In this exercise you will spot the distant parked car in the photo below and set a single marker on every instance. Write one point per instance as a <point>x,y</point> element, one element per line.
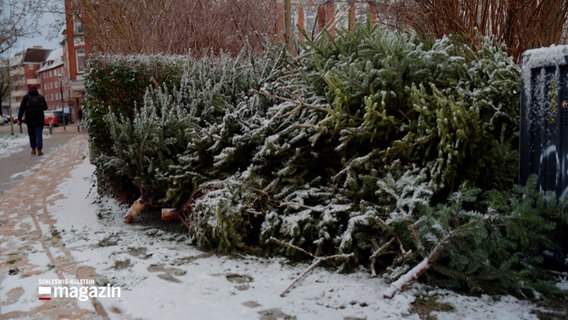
<point>4,119</point>
<point>50,118</point>
<point>59,115</point>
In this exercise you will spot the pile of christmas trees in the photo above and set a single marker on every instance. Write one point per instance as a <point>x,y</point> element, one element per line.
<point>398,151</point>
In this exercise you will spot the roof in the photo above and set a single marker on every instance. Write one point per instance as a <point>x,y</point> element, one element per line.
<point>54,60</point>
<point>55,55</point>
<point>36,55</point>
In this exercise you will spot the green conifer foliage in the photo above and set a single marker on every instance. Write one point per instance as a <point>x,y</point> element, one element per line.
<point>177,139</point>
<point>117,85</point>
<point>373,143</point>
<point>496,250</point>
<point>222,217</point>
<point>441,106</point>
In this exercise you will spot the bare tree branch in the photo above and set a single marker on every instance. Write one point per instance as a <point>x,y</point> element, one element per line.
<point>315,263</point>
<point>520,25</point>
<point>19,19</point>
<point>178,26</point>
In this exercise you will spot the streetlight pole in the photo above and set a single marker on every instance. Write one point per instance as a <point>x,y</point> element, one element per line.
<point>9,80</point>
<point>61,92</point>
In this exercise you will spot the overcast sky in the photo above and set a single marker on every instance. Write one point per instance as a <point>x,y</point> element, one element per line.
<point>47,38</point>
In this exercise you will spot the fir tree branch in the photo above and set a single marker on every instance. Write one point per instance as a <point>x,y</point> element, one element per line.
<point>417,240</point>
<point>294,204</point>
<point>401,246</point>
<point>442,245</point>
<point>407,279</point>
<point>289,245</point>
<point>380,250</point>
<point>315,263</point>
<point>299,102</point>
<point>428,262</point>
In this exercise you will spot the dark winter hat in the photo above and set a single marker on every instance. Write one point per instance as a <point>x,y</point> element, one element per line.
<point>33,91</point>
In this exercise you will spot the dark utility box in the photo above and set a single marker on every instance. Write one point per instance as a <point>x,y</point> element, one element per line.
<point>544,118</point>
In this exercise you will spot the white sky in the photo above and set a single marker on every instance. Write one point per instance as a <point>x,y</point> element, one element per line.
<point>44,39</point>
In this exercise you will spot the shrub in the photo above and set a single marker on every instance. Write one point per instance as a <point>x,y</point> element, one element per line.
<point>117,84</point>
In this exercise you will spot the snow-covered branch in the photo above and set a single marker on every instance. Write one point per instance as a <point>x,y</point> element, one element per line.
<point>407,279</point>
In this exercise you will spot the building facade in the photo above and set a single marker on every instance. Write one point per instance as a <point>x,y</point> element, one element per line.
<point>23,73</point>
<point>58,74</point>
<point>75,49</point>
<point>52,76</point>
<point>17,81</point>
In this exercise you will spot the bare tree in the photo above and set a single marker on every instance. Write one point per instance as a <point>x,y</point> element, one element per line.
<point>19,18</point>
<point>176,26</point>
<point>519,24</point>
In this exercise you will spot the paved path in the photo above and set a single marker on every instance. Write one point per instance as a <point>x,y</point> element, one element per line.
<point>21,162</point>
<point>28,233</point>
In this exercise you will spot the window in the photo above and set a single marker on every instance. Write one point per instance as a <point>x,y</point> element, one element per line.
<point>79,40</point>
<point>80,60</point>
<point>78,26</point>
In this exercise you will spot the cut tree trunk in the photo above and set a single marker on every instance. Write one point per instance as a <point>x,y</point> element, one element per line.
<point>170,214</point>
<point>135,209</point>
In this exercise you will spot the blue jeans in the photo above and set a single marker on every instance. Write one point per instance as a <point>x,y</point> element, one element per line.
<point>36,136</point>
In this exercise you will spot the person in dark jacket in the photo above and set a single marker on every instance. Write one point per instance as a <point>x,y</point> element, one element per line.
<point>31,109</point>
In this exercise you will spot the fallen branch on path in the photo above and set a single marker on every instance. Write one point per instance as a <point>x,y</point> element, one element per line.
<point>315,263</point>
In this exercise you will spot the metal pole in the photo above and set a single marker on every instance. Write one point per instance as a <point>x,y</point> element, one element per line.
<point>62,107</point>
<point>8,78</point>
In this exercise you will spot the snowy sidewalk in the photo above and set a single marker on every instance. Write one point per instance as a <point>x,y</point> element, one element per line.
<point>15,160</point>
<point>54,227</point>
<point>31,249</point>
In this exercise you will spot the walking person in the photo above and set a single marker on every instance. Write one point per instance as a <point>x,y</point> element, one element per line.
<point>31,109</point>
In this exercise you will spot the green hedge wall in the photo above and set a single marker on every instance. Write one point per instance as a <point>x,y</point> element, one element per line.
<point>117,84</point>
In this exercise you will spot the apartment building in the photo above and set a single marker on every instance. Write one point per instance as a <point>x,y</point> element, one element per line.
<point>23,73</point>
<point>52,77</point>
<point>74,56</point>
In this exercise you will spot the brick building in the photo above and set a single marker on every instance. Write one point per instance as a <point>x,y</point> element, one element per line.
<point>52,79</point>
<point>75,49</point>
<point>23,73</point>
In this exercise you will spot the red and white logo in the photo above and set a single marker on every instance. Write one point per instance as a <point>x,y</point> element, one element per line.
<point>44,293</point>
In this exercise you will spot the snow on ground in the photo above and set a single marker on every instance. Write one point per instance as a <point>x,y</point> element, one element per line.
<point>162,276</point>
<point>12,144</point>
